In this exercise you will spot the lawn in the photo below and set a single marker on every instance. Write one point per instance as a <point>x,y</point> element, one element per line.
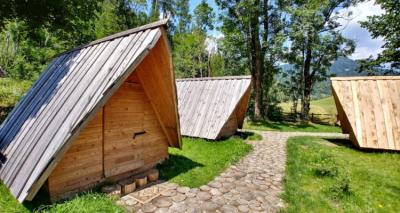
<point>200,160</point>
<point>290,126</point>
<point>320,106</point>
<point>84,203</point>
<point>322,176</point>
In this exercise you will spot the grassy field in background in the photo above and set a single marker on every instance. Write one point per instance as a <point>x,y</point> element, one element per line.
<point>289,126</point>
<point>321,106</point>
<point>331,176</point>
<point>200,160</point>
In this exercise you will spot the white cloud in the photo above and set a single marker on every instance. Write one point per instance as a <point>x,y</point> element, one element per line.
<point>365,44</point>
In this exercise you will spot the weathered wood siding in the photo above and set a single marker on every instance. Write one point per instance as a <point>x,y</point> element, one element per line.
<point>133,136</point>
<point>106,147</point>
<point>82,165</point>
<point>209,105</point>
<point>368,110</point>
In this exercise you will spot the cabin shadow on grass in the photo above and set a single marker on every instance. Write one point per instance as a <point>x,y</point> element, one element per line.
<point>280,125</point>
<point>200,161</point>
<point>247,135</point>
<point>289,126</point>
<point>176,165</point>
<point>339,142</point>
<point>347,143</point>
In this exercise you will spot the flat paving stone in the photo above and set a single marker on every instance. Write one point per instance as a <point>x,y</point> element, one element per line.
<point>178,198</point>
<point>254,184</point>
<point>178,207</point>
<point>149,207</point>
<point>183,190</point>
<point>131,202</point>
<point>204,196</point>
<point>162,202</point>
<point>205,188</point>
<point>169,193</point>
<point>209,206</point>
<point>243,208</point>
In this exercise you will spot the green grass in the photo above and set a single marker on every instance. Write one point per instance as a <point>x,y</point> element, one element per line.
<point>200,160</point>
<point>8,203</point>
<point>11,91</point>
<point>85,203</point>
<point>254,137</point>
<point>290,126</point>
<point>320,106</point>
<point>332,177</point>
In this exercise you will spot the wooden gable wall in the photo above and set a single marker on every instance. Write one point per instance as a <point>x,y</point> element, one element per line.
<point>368,109</point>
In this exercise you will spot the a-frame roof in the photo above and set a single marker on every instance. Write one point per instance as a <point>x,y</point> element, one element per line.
<point>368,109</point>
<point>67,94</point>
<point>205,104</point>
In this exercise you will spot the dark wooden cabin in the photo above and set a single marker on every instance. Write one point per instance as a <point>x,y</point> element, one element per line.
<point>100,112</point>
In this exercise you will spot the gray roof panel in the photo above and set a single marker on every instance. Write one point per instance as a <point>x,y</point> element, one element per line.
<point>205,104</point>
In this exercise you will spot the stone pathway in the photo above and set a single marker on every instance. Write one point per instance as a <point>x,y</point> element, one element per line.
<point>252,185</point>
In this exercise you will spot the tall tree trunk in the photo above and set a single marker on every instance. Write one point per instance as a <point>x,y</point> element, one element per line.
<point>266,63</point>
<point>258,65</point>
<point>307,77</point>
<point>209,65</point>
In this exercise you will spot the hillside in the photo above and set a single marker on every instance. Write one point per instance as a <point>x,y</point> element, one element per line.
<point>320,106</point>
<point>342,67</point>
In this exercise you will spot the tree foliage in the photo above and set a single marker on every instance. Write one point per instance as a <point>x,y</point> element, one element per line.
<point>253,31</point>
<point>256,37</point>
<point>315,42</point>
<point>386,26</point>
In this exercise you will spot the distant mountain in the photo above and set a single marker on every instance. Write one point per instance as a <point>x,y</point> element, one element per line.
<point>342,67</point>
<point>345,67</point>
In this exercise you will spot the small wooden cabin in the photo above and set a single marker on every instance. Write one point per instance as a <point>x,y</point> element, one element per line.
<point>369,110</point>
<point>213,108</point>
<point>102,111</point>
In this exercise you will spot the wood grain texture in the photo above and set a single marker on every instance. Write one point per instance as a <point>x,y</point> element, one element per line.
<point>212,108</point>
<point>368,110</point>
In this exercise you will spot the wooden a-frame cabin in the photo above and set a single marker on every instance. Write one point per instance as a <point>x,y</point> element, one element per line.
<point>368,110</point>
<point>103,111</point>
<point>213,107</point>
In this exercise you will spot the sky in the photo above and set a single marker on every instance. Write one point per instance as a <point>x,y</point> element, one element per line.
<point>365,44</point>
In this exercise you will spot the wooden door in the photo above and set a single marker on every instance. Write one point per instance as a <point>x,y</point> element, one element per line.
<point>123,122</point>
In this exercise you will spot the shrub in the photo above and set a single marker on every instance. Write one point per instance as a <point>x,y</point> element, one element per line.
<point>325,165</point>
<point>275,113</point>
<point>341,187</point>
<point>326,170</point>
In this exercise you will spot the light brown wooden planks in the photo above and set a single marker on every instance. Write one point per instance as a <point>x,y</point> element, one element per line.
<point>371,106</point>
